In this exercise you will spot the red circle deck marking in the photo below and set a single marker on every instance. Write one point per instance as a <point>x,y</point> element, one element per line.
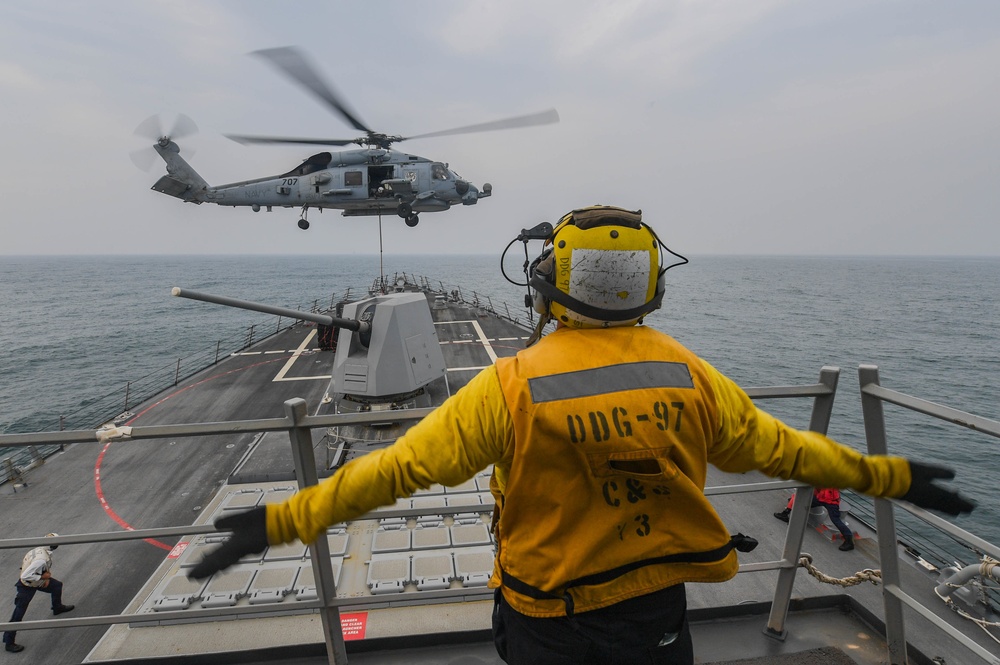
<point>100,458</point>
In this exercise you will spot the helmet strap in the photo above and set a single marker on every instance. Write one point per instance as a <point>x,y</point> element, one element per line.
<point>543,320</point>
<point>549,290</point>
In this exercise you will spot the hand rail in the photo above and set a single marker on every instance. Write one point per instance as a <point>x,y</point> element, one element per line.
<point>298,425</point>
<point>893,598</point>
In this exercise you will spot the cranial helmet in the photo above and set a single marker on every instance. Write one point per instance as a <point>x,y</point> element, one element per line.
<point>52,535</point>
<point>600,268</point>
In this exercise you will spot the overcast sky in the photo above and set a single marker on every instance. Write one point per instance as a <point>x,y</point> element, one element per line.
<point>737,126</point>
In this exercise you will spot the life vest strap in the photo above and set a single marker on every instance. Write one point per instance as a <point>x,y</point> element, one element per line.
<point>738,542</point>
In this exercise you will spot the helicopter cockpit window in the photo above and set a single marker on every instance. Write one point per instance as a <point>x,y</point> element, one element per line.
<point>317,162</point>
<point>352,178</point>
<point>438,171</point>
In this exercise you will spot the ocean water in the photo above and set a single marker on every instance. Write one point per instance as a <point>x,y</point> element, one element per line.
<point>76,328</point>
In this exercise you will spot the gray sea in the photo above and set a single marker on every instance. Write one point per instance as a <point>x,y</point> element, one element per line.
<point>74,330</point>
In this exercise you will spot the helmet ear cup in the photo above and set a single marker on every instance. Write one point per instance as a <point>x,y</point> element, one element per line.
<point>542,268</point>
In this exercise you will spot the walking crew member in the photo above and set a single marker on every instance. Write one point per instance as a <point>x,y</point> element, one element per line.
<point>828,498</point>
<point>599,435</point>
<point>36,575</point>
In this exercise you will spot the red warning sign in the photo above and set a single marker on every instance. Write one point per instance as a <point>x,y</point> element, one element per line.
<point>353,625</point>
<point>178,550</point>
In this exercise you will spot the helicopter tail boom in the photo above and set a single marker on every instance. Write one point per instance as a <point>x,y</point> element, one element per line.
<point>181,181</point>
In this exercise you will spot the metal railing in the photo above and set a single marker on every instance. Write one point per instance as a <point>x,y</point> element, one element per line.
<point>872,397</point>
<point>298,424</point>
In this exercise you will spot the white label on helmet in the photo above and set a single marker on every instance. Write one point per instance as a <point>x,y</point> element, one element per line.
<point>610,279</point>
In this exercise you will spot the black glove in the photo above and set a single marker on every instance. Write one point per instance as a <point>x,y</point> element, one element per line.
<point>924,493</point>
<point>249,537</point>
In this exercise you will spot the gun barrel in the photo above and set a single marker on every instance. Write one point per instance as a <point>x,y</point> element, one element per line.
<point>323,319</point>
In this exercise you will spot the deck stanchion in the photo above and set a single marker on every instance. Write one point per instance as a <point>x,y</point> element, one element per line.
<point>819,421</point>
<point>326,589</point>
<point>885,524</point>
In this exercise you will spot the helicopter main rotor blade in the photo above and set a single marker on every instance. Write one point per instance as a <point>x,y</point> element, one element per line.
<point>543,118</point>
<point>293,63</point>
<point>245,140</point>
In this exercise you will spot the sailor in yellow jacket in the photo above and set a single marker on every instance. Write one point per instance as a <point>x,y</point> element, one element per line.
<point>599,435</point>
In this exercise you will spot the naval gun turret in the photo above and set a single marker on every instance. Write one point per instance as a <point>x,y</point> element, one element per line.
<point>387,348</point>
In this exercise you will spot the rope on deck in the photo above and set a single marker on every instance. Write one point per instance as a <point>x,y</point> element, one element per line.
<point>866,575</point>
<point>875,576</point>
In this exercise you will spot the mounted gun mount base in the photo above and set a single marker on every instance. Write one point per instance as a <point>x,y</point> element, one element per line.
<point>398,356</point>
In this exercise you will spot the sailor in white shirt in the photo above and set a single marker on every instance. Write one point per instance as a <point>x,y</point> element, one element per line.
<point>36,575</point>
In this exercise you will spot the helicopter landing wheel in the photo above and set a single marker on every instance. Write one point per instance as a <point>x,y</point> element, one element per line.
<point>412,220</point>
<point>404,210</point>
<point>303,224</point>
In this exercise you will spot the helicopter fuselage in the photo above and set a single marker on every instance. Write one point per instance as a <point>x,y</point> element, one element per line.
<point>372,180</point>
<point>361,182</point>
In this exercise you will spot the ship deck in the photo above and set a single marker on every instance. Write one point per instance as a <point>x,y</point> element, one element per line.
<point>156,483</point>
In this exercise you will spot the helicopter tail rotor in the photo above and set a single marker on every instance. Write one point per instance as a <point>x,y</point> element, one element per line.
<point>151,129</point>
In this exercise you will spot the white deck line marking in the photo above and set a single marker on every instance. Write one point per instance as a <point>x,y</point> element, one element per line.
<point>467,369</point>
<point>485,341</point>
<point>291,361</point>
<point>280,351</point>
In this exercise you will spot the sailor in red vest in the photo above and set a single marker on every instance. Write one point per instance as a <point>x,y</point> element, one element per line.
<point>599,435</point>
<point>828,498</point>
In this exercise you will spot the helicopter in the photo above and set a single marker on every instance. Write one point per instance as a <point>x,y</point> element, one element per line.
<point>366,181</point>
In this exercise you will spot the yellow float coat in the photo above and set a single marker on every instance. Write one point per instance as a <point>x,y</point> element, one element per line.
<point>474,428</point>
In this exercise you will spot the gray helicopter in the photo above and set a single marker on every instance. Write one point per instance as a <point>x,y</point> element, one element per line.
<point>372,180</point>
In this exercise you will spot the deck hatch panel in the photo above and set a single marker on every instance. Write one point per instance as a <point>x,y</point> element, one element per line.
<point>431,538</point>
<point>432,570</point>
<point>388,573</point>
<point>271,585</point>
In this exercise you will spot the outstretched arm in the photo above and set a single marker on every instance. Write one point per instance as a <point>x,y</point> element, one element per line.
<point>750,438</point>
<point>467,433</point>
